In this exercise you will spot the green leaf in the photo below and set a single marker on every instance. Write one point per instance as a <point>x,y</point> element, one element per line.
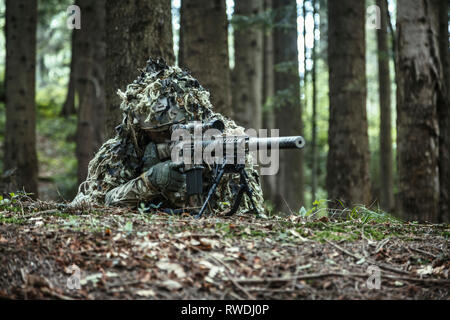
<point>303,212</point>
<point>128,227</point>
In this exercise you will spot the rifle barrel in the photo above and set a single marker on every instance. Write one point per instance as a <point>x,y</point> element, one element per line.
<point>294,142</point>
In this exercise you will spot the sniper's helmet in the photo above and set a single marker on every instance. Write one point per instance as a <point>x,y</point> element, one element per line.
<point>163,96</point>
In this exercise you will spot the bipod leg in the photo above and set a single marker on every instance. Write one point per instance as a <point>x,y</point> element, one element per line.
<point>243,187</point>
<point>213,188</point>
<point>237,200</point>
<point>249,191</point>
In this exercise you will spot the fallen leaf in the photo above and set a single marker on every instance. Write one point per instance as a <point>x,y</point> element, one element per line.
<point>94,278</point>
<point>439,270</point>
<point>171,267</point>
<point>425,271</point>
<point>210,243</point>
<point>206,264</point>
<point>295,233</point>
<point>171,285</point>
<point>326,285</point>
<point>146,293</point>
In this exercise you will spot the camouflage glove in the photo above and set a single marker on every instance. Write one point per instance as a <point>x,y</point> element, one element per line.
<point>165,176</point>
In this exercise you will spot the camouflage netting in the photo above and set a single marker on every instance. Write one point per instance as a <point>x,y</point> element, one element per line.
<point>146,103</point>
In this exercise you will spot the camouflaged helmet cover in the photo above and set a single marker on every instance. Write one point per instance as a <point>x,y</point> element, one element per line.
<point>162,96</point>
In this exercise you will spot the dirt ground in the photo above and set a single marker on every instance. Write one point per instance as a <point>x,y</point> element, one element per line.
<point>123,254</point>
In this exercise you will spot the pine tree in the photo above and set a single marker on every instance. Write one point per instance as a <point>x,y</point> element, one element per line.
<point>89,81</point>
<point>136,31</point>
<point>444,116</point>
<point>288,110</point>
<point>248,70</point>
<point>20,134</point>
<point>419,76</point>
<point>348,156</point>
<point>384,79</point>
<point>204,48</point>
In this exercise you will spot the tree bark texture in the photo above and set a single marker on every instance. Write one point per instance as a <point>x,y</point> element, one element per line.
<point>268,181</point>
<point>136,30</point>
<point>314,155</point>
<point>248,71</point>
<point>20,134</point>
<point>348,178</point>
<point>384,80</point>
<point>419,77</point>
<point>204,49</point>
<point>89,82</point>
<point>444,116</point>
<point>288,110</point>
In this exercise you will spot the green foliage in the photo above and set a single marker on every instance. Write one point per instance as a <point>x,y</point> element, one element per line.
<point>281,99</point>
<point>57,153</point>
<point>264,20</point>
<point>287,67</point>
<point>55,145</point>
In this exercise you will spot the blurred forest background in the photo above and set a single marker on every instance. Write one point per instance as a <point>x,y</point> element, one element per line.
<point>377,129</point>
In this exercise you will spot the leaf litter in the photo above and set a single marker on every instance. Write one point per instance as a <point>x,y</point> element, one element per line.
<point>126,255</point>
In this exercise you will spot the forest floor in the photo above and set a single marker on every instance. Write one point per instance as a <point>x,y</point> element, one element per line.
<point>124,254</point>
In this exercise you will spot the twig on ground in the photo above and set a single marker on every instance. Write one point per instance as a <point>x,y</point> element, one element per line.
<point>358,257</point>
<point>423,252</point>
<point>248,294</point>
<point>55,294</point>
<point>337,274</point>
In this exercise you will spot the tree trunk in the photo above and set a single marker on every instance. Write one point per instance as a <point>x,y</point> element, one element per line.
<point>248,70</point>
<point>314,110</point>
<point>323,28</point>
<point>444,116</point>
<point>205,48</point>
<point>268,181</point>
<point>348,156</point>
<point>181,36</point>
<point>69,105</point>
<point>136,31</point>
<point>419,76</point>
<point>305,58</point>
<point>384,80</point>
<point>289,195</point>
<point>20,134</point>
<point>89,81</point>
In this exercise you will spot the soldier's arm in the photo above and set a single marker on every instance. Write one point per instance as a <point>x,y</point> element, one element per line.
<point>157,178</point>
<point>140,188</point>
<point>132,193</point>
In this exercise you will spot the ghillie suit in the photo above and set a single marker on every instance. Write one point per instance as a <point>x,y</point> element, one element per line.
<point>119,173</point>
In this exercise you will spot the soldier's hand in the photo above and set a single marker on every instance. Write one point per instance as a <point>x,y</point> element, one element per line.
<point>165,176</point>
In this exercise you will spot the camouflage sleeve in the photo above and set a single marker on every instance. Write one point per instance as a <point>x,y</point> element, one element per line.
<point>138,189</point>
<point>132,193</point>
